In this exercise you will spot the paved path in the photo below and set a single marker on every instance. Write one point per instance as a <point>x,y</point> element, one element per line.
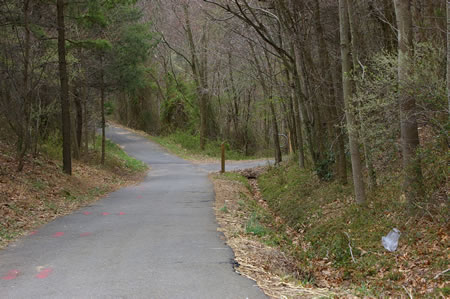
<point>154,240</point>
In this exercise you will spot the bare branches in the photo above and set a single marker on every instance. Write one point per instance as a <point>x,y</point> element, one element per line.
<point>247,14</point>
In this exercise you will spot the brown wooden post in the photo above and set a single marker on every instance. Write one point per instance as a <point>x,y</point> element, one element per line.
<point>223,158</point>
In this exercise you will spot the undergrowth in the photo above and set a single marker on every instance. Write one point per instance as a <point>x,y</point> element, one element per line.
<point>187,146</point>
<point>340,242</point>
<point>118,158</point>
<point>42,192</point>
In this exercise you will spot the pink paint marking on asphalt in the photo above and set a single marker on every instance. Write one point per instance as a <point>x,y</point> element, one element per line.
<point>58,234</point>
<point>85,234</point>
<point>87,213</point>
<point>11,275</point>
<point>122,213</point>
<point>105,213</point>
<point>33,233</point>
<point>44,273</point>
<point>139,197</point>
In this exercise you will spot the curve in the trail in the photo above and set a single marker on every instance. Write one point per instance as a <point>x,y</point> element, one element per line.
<point>158,239</point>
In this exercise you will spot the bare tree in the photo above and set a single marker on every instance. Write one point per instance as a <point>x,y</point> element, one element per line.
<point>412,184</point>
<point>347,87</point>
<point>64,89</point>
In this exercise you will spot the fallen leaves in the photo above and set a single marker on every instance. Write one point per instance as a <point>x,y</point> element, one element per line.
<point>272,269</point>
<point>41,192</point>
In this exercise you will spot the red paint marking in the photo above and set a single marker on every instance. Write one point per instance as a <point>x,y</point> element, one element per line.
<point>44,273</point>
<point>58,234</point>
<point>139,196</point>
<point>11,275</point>
<point>122,213</point>
<point>85,234</point>
<point>105,213</point>
<point>33,233</point>
<point>87,213</point>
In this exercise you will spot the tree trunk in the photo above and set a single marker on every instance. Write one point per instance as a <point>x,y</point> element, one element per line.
<point>102,109</point>
<point>329,86</point>
<point>355,42</point>
<point>268,96</point>
<point>388,33</point>
<point>24,139</point>
<point>340,131</point>
<point>79,117</point>
<point>199,73</point>
<point>412,183</point>
<point>347,88</point>
<point>64,92</point>
<point>301,153</point>
<point>448,54</point>
<point>86,121</point>
<point>276,138</point>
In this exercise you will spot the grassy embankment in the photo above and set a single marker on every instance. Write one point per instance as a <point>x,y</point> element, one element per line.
<point>42,192</point>
<point>187,147</point>
<point>239,216</point>
<point>337,243</point>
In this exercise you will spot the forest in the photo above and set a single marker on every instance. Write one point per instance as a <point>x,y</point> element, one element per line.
<point>349,99</point>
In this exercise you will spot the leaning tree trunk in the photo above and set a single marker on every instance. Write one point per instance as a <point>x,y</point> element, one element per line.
<point>347,88</point>
<point>412,182</point>
<point>64,92</point>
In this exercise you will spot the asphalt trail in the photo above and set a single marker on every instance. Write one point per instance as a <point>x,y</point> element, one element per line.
<point>154,240</point>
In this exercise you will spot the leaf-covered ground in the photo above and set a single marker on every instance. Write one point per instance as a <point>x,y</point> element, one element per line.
<point>338,243</point>
<point>42,192</point>
<point>255,245</point>
<point>326,242</point>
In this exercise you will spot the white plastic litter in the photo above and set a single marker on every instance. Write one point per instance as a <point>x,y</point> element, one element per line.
<point>390,242</point>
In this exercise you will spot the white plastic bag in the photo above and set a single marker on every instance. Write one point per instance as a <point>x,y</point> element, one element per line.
<point>390,242</point>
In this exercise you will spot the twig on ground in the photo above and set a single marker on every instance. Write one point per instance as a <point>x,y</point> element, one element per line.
<point>441,273</point>
<point>425,209</point>
<point>408,292</point>
<point>350,247</point>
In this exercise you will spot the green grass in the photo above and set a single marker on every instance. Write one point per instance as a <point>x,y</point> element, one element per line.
<point>224,209</point>
<point>302,200</point>
<point>327,216</point>
<point>38,184</point>
<point>52,146</point>
<point>253,226</point>
<point>117,158</point>
<point>8,234</point>
<point>187,146</point>
<point>261,223</point>
<point>234,176</point>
